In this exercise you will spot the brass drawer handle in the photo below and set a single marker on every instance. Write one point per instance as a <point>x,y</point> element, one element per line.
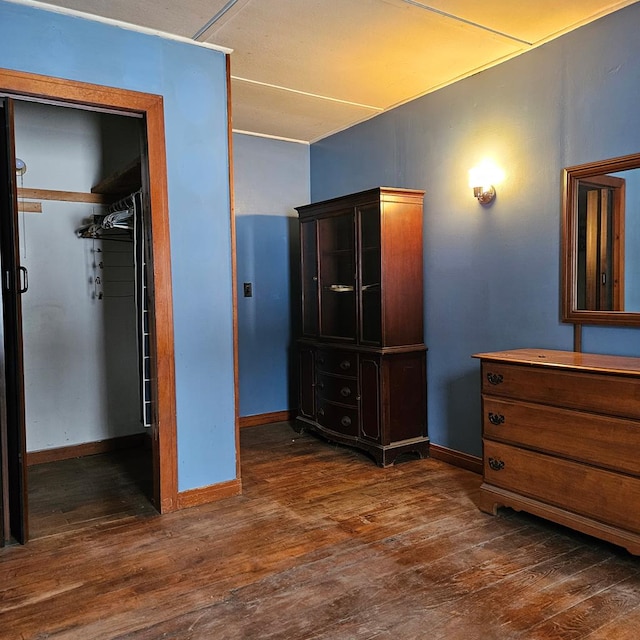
<point>346,421</point>
<point>345,365</point>
<point>494,378</point>
<point>495,464</point>
<point>345,392</point>
<point>496,418</point>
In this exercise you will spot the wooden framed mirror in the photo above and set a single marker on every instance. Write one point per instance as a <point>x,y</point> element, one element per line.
<point>601,242</point>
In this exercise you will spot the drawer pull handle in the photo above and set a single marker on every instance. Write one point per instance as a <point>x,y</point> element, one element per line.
<point>320,412</point>
<point>496,418</point>
<point>345,365</point>
<point>494,378</point>
<point>495,464</point>
<point>321,360</point>
<point>320,385</point>
<point>346,421</point>
<point>345,392</point>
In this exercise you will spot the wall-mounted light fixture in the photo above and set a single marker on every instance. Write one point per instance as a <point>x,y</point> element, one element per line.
<point>482,179</point>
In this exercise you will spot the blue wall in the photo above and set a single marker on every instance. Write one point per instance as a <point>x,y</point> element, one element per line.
<point>271,178</point>
<point>192,81</point>
<point>492,273</point>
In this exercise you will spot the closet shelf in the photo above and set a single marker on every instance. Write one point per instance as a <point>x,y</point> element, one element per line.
<point>61,196</point>
<point>120,183</point>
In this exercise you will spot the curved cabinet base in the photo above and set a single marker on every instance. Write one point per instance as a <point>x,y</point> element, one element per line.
<point>384,455</point>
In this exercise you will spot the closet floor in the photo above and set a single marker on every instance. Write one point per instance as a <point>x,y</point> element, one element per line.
<point>71,495</point>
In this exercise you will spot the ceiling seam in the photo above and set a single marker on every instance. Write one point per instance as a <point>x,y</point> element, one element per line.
<point>415,3</point>
<point>307,93</point>
<point>213,20</point>
<point>270,136</point>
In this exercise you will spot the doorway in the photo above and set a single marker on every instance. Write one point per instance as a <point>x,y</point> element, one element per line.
<point>600,242</point>
<point>148,109</point>
<point>82,314</point>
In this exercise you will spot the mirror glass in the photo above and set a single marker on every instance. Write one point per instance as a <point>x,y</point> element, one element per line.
<point>601,242</point>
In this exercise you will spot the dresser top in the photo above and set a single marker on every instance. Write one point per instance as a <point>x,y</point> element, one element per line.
<point>626,365</point>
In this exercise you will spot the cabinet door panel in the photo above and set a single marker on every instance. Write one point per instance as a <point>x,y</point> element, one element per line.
<point>337,277</point>
<point>370,397</point>
<point>309,272</point>
<point>307,383</point>
<point>370,275</point>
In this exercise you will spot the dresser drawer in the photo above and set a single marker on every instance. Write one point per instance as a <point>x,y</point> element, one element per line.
<point>340,362</point>
<point>338,388</point>
<point>600,440</point>
<point>337,417</point>
<point>610,394</point>
<point>596,493</point>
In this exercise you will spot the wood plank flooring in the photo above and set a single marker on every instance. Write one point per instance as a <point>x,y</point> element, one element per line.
<point>68,495</point>
<point>323,545</point>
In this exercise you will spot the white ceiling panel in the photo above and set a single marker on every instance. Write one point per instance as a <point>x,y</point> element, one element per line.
<point>269,111</point>
<point>303,69</point>
<point>175,17</point>
<point>530,21</point>
<point>370,52</point>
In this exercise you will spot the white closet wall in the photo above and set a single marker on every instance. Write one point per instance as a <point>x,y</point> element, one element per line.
<point>81,370</point>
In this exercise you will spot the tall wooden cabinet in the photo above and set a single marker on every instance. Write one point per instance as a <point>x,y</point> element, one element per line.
<point>361,352</point>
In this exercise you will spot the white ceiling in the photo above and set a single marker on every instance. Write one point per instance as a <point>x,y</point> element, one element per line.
<point>303,69</point>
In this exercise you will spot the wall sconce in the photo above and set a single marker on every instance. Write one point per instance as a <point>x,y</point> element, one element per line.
<point>482,178</point>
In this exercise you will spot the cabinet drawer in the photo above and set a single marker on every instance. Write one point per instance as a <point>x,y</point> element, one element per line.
<point>610,394</point>
<point>338,388</point>
<point>596,493</point>
<point>339,418</point>
<point>341,362</point>
<point>604,441</point>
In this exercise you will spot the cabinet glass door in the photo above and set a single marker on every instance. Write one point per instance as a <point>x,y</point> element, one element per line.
<point>370,275</point>
<point>308,241</point>
<point>337,276</point>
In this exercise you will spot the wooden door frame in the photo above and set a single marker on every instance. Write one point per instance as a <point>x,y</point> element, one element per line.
<point>18,84</point>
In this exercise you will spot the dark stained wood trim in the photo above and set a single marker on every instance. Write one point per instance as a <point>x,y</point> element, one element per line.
<point>267,418</point>
<point>577,337</point>
<point>163,375</point>
<point>234,263</point>
<point>151,106</point>
<point>456,458</point>
<point>212,493</point>
<point>86,449</point>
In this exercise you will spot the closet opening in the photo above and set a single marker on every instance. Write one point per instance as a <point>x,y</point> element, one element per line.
<point>87,395</point>
<point>81,228</point>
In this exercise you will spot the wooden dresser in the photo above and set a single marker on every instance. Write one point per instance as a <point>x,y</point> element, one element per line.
<point>561,439</point>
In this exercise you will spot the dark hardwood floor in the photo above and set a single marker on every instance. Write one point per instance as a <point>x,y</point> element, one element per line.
<point>322,544</point>
<point>69,495</point>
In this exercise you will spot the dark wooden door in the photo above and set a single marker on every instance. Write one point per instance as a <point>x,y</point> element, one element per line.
<point>601,243</point>
<point>14,283</point>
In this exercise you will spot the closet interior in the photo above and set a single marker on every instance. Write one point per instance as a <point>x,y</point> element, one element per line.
<point>83,243</point>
